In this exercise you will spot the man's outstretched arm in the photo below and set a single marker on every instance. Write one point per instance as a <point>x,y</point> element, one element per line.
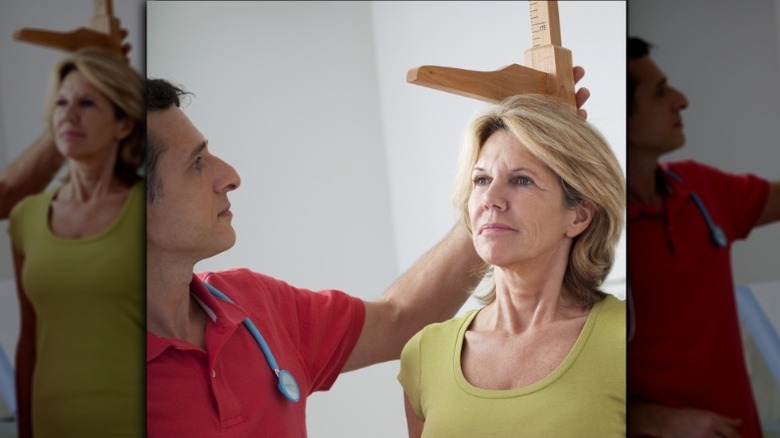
<point>771,212</point>
<point>657,420</point>
<point>432,290</point>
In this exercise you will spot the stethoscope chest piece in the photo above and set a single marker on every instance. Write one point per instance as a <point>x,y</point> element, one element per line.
<point>717,234</point>
<point>286,382</point>
<point>719,237</point>
<point>288,387</point>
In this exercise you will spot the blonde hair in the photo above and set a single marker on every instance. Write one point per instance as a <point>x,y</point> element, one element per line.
<point>123,87</point>
<point>589,171</point>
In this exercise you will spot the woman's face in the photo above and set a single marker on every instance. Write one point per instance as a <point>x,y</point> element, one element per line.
<point>83,119</point>
<point>516,207</point>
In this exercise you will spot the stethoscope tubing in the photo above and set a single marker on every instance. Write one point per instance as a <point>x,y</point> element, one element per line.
<point>287,384</point>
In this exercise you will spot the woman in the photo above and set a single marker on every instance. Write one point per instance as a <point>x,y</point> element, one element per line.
<point>543,197</point>
<point>33,169</point>
<point>78,253</point>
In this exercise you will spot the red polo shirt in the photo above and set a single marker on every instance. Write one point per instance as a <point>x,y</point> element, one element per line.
<point>229,390</point>
<point>686,349</point>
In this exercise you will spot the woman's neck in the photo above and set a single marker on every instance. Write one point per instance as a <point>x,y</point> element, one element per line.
<point>530,297</point>
<point>84,185</point>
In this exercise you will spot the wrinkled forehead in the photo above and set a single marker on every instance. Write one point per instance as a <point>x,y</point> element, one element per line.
<point>503,150</point>
<point>74,83</point>
<point>173,130</point>
<point>74,78</point>
<point>645,73</point>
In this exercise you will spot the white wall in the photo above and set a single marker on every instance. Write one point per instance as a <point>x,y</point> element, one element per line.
<point>24,76</point>
<point>346,168</point>
<point>724,57</point>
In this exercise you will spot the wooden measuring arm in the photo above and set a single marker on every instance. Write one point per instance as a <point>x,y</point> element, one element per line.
<point>68,41</point>
<point>491,86</point>
<point>548,67</point>
<point>104,31</point>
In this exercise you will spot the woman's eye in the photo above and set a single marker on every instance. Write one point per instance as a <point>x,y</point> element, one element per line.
<point>523,181</point>
<point>481,181</point>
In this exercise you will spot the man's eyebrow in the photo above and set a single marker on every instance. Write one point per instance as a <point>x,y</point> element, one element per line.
<point>198,149</point>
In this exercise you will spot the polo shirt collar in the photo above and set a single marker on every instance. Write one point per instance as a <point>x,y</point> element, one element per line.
<point>221,314</point>
<point>675,190</point>
<point>673,182</point>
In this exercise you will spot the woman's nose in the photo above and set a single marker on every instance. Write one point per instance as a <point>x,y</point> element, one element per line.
<point>68,112</point>
<point>492,198</point>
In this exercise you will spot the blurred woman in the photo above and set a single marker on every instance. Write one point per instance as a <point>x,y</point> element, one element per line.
<point>543,196</point>
<point>79,259</point>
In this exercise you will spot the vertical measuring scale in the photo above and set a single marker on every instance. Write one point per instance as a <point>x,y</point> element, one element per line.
<point>545,24</point>
<point>546,53</point>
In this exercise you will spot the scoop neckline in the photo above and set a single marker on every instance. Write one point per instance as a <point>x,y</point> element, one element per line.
<point>556,374</point>
<point>131,195</point>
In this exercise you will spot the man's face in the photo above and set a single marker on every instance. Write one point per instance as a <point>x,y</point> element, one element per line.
<point>191,217</point>
<point>656,122</point>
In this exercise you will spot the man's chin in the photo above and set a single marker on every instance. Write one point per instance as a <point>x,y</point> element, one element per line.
<point>676,144</point>
<point>226,243</point>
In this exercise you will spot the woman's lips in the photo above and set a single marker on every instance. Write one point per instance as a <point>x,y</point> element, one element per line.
<point>495,227</point>
<point>71,134</point>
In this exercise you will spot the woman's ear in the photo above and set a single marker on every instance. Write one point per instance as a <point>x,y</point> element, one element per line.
<point>584,214</point>
<point>124,127</point>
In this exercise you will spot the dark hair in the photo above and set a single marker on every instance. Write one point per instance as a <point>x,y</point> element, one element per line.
<point>160,95</point>
<point>637,48</point>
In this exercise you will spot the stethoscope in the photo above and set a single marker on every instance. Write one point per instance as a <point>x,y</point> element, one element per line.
<point>287,385</point>
<point>717,235</point>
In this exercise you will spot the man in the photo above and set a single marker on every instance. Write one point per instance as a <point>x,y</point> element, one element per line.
<point>206,374</point>
<point>686,372</point>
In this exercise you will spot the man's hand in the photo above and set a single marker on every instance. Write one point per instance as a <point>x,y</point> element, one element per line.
<point>125,47</point>
<point>696,423</point>
<point>582,95</point>
<point>650,419</point>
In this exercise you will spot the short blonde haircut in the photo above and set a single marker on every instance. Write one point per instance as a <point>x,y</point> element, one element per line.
<point>586,165</point>
<point>123,87</point>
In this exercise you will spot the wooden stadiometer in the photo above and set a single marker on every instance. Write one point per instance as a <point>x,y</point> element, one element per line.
<point>103,31</point>
<point>548,67</point>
